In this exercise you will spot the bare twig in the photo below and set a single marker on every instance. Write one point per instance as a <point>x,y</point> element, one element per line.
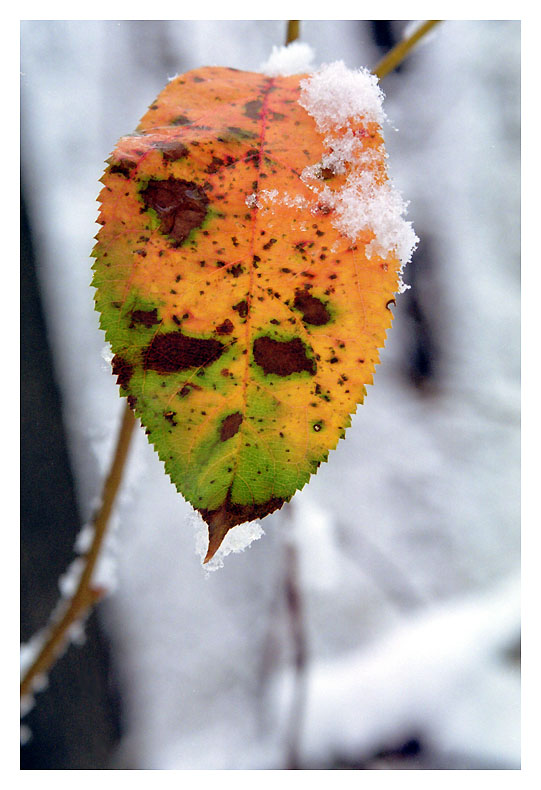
<point>398,53</point>
<point>293,30</point>
<point>86,594</point>
<point>298,638</point>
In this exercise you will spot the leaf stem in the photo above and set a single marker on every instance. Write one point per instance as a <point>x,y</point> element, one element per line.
<point>293,30</point>
<point>86,595</point>
<point>399,52</point>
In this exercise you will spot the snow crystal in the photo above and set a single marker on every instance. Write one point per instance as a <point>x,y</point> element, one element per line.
<point>107,356</point>
<point>251,200</point>
<point>76,633</point>
<point>236,540</point>
<point>343,102</point>
<point>337,97</point>
<point>84,539</point>
<point>295,58</point>
<point>267,197</point>
<point>104,576</point>
<point>69,581</point>
<point>29,651</point>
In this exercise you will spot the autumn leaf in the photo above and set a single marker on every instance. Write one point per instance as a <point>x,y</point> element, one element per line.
<point>244,275</point>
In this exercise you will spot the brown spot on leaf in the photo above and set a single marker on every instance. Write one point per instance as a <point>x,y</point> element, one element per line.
<point>146,317</point>
<point>230,425</point>
<point>253,109</point>
<point>226,328</point>
<point>215,165</point>
<point>123,167</point>
<point>236,270</point>
<point>171,149</point>
<point>282,357</point>
<point>180,205</point>
<point>244,134</point>
<point>122,370</point>
<point>241,308</point>
<point>168,353</point>
<point>187,388</point>
<point>132,401</point>
<point>181,120</point>
<point>313,310</point>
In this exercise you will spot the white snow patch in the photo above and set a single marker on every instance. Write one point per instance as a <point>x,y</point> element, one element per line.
<point>29,651</point>
<point>342,102</point>
<point>335,96</point>
<point>269,197</point>
<point>83,541</point>
<point>107,356</point>
<point>76,633</point>
<point>314,534</point>
<point>236,540</point>
<point>69,581</point>
<point>295,58</point>
<point>441,672</point>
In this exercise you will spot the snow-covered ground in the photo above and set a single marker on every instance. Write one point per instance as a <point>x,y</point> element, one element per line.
<point>408,539</point>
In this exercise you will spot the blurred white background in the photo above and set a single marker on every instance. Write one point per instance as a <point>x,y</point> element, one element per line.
<point>403,552</point>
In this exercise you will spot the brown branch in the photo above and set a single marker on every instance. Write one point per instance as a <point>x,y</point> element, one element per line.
<point>293,30</point>
<point>86,595</point>
<point>398,53</point>
<point>300,656</point>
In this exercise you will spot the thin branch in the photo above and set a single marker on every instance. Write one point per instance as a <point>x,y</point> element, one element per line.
<point>293,30</point>
<point>300,656</point>
<point>398,53</point>
<point>86,595</point>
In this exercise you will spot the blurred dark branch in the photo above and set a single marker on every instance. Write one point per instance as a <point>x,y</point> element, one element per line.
<point>298,638</point>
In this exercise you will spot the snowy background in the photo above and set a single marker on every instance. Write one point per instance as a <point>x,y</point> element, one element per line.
<point>393,578</point>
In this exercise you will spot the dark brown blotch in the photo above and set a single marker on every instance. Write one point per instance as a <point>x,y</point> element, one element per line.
<point>171,149</point>
<point>230,425</point>
<point>123,167</point>
<point>170,417</point>
<point>313,310</point>
<point>236,270</point>
<point>174,351</point>
<point>226,328</point>
<point>215,165</point>
<point>244,134</point>
<point>122,370</point>
<point>282,357</point>
<point>181,120</point>
<point>253,109</point>
<point>180,205</point>
<point>146,317</point>
<point>187,388</point>
<point>241,308</point>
